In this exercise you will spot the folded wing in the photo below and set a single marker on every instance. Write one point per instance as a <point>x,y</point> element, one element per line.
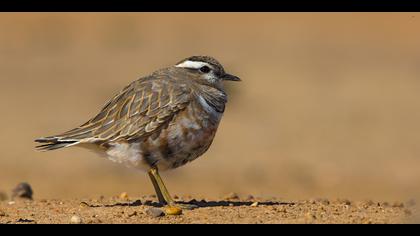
<point>141,109</point>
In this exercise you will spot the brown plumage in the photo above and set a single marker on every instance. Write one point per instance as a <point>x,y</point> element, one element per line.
<point>139,110</point>
<point>161,113</point>
<point>160,121</point>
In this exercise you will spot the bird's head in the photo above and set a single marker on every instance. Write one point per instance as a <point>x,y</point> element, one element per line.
<point>205,69</point>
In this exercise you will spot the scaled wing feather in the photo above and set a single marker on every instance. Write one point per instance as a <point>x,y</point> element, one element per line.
<point>138,111</point>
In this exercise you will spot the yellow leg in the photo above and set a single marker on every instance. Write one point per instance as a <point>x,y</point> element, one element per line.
<point>157,189</point>
<point>163,193</point>
<point>160,188</point>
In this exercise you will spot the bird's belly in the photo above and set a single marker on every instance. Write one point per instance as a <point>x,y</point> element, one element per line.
<point>178,153</point>
<point>183,140</point>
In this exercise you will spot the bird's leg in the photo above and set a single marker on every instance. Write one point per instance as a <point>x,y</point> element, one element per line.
<point>163,193</point>
<point>161,190</point>
<point>157,189</point>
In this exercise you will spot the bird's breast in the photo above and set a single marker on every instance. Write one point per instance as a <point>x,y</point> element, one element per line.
<point>189,135</point>
<point>186,137</point>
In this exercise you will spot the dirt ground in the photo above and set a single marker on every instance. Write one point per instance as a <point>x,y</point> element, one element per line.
<point>227,210</point>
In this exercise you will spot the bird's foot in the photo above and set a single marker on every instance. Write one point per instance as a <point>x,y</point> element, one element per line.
<point>172,210</point>
<point>176,208</point>
<point>185,206</point>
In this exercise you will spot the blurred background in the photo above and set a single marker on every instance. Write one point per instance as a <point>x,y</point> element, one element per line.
<point>329,105</point>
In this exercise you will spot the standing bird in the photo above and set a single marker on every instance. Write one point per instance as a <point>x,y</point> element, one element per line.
<point>158,122</point>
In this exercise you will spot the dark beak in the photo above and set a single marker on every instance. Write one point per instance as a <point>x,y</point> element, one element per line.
<point>230,77</point>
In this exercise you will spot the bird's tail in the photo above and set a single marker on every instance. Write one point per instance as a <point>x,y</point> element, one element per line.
<point>52,143</point>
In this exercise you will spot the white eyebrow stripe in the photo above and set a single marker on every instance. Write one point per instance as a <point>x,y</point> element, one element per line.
<point>193,64</point>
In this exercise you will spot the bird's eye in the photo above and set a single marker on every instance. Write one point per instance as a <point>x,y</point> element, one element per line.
<point>205,69</point>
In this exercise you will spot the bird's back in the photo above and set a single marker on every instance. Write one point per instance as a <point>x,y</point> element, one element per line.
<point>139,110</point>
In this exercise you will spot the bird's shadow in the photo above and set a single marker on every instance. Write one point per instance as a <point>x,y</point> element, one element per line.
<point>228,203</point>
<point>199,204</point>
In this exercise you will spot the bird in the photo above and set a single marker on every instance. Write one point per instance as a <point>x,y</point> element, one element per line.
<point>158,122</point>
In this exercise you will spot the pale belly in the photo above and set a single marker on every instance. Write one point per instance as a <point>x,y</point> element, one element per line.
<point>183,140</point>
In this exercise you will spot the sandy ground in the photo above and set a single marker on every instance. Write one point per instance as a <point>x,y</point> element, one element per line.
<point>227,210</point>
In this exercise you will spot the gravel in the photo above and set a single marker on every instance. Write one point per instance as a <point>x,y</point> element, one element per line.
<point>22,190</point>
<point>75,220</point>
<point>111,210</point>
<point>155,212</point>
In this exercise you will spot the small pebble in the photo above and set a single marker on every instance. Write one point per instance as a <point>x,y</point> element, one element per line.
<point>94,221</point>
<point>312,201</point>
<point>75,220</point>
<point>323,201</point>
<point>124,196</point>
<point>346,202</point>
<point>134,213</point>
<point>172,210</point>
<point>155,212</point>
<point>84,204</point>
<point>2,213</point>
<point>255,204</point>
<point>22,190</point>
<point>310,216</point>
<point>231,196</point>
<point>367,221</point>
<point>365,204</point>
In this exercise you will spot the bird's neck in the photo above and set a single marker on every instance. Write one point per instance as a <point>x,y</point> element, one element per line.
<point>213,96</point>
